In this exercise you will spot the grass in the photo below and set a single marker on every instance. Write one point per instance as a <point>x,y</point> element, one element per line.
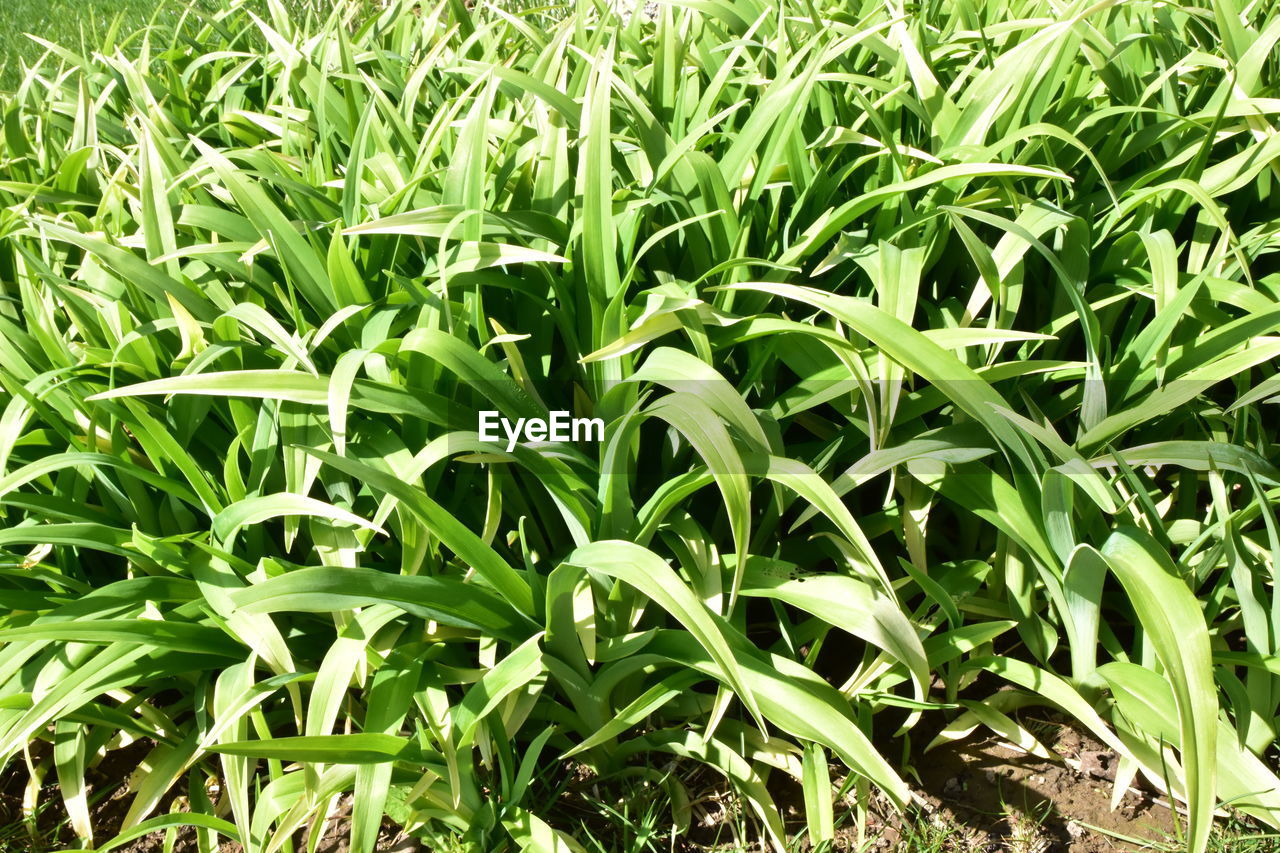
<point>935,347</point>
<point>1229,836</point>
<point>86,23</point>
<point>64,22</point>
<point>1236,839</point>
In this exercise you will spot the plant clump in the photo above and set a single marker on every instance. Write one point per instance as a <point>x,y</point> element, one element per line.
<point>933,349</point>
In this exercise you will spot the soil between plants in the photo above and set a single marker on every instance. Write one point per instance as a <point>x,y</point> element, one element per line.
<point>1005,799</point>
<point>976,794</point>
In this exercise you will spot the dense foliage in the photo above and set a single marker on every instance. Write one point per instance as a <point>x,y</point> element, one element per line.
<point>936,347</point>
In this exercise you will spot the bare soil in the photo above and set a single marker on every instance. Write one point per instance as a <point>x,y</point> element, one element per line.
<point>1005,799</point>
<point>977,794</point>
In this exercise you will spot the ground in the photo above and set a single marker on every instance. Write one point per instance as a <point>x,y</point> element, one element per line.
<point>977,794</point>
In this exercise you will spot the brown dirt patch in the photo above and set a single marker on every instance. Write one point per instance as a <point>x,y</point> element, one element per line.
<point>1017,801</point>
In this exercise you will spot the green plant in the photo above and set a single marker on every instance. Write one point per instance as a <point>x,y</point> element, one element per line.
<point>933,833</point>
<point>93,24</point>
<point>935,348</point>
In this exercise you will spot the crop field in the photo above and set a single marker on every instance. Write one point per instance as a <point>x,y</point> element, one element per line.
<point>64,22</point>
<point>704,425</point>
